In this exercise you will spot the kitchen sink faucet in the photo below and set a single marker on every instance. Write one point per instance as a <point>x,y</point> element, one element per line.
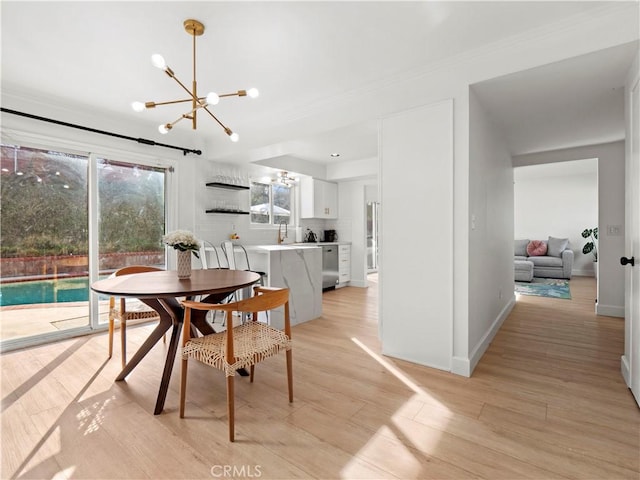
<point>286,231</point>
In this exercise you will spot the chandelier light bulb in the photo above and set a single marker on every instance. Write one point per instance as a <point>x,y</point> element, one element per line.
<point>158,61</point>
<point>212,98</point>
<point>163,129</point>
<point>138,106</point>
<point>234,137</point>
<point>253,93</point>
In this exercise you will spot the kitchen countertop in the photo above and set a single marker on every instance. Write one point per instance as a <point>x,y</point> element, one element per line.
<point>290,246</point>
<point>284,246</point>
<point>296,267</point>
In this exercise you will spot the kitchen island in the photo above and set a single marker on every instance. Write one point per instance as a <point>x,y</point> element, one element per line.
<point>296,267</point>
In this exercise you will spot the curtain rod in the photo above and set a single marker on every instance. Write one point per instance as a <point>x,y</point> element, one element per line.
<point>102,132</point>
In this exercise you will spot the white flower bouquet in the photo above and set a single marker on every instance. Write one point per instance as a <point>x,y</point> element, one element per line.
<point>182,240</point>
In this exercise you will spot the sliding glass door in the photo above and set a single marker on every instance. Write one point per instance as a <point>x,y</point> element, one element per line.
<point>44,242</point>
<point>131,216</point>
<point>46,203</point>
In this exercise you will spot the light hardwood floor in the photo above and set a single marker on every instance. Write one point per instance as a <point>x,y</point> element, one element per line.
<point>546,401</point>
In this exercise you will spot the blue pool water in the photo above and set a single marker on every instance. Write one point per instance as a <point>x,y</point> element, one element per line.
<point>45,291</point>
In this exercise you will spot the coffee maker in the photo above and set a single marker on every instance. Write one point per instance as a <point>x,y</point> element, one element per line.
<point>330,236</point>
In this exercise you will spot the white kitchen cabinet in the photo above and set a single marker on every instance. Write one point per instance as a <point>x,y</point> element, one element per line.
<point>318,199</point>
<point>344,265</point>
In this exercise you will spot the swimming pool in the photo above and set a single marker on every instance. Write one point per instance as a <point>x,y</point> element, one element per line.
<point>45,291</point>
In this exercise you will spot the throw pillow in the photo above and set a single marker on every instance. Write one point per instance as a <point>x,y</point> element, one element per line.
<point>555,246</point>
<point>520,248</point>
<point>536,248</point>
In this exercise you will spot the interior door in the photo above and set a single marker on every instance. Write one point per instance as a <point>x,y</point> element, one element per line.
<point>632,245</point>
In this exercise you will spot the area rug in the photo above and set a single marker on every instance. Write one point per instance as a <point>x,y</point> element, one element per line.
<point>544,287</point>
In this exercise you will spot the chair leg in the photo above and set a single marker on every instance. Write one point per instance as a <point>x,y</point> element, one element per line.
<point>290,375</point>
<point>230,408</point>
<point>251,369</point>
<point>123,341</point>
<point>183,386</point>
<point>111,328</point>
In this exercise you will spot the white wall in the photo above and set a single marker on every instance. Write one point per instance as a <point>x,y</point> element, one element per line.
<point>610,214</point>
<point>416,244</point>
<point>355,169</point>
<point>214,227</point>
<point>491,295</point>
<point>558,200</point>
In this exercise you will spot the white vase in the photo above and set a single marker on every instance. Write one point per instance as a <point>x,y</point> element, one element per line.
<point>184,263</point>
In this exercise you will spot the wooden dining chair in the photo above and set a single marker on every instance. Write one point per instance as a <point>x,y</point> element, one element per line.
<point>128,309</point>
<point>238,347</point>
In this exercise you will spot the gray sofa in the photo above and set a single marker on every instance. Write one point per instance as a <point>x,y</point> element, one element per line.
<point>557,263</point>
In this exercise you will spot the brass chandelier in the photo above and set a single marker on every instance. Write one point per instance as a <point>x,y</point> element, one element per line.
<point>195,29</point>
<point>283,178</point>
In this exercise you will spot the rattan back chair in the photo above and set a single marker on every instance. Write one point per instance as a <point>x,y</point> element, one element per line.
<point>128,309</point>
<point>238,347</point>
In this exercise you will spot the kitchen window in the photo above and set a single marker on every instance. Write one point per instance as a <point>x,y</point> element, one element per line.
<point>270,203</point>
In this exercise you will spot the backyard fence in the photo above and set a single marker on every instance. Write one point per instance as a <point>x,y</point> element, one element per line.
<point>13,269</point>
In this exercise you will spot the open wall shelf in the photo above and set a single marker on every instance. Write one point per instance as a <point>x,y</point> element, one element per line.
<point>227,186</point>
<point>228,212</point>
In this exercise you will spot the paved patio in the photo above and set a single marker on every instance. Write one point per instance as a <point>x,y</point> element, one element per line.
<point>27,320</point>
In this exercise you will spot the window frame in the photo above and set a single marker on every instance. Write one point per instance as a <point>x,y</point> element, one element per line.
<point>272,224</point>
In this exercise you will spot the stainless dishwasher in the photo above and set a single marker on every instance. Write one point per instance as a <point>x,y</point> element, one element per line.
<point>329,266</point>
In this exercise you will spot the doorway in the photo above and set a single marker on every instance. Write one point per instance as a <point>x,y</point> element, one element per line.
<point>558,200</point>
<point>372,236</point>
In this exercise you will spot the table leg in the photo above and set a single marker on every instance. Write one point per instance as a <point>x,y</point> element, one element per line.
<point>171,355</point>
<point>165,323</point>
<point>170,312</point>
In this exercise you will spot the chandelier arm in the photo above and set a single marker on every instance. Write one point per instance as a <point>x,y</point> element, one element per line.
<point>186,115</point>
<point>225,128</point>
<point>171,102</point>
<point>193,97</point>
<point>234,94</point>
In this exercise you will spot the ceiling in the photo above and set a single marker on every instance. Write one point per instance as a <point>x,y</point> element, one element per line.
<point>585,167</point>
<point>304,57</point>
<point>579,101</point>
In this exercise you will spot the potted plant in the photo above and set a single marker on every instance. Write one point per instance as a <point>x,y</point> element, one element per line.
<point>185,243</point>
<point>590,246</point>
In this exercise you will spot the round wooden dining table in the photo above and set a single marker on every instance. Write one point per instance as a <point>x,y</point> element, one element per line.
<point>160,290</point>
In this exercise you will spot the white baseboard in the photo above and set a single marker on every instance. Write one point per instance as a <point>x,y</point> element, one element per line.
<point>461,366</point>
<point>445,368</point>
<point>358,283</point>
<point>582,273</point>
<point>625,370</point>
<point>465,366</point>
<point>610,310</point>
